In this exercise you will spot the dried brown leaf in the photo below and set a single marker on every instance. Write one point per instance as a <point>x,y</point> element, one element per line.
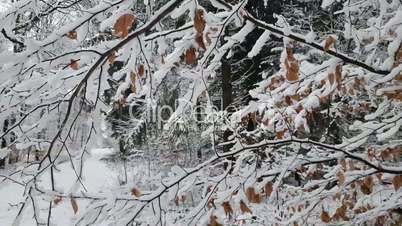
<point>325,217</point>
<point>268,188</point>
<point>133,78</point>
<point>280,134</point>
<point>141,70</point>
<point>199,22</point>
<point>292,66</point>
<point>228,209</point>
<point>394,95</point>
<point>253,196</point>
<point>341,178</point>
<point>200,41</point>
<point>343,164</point>
<point>135,192</point>
<point>398,57</point>
<point>213,221</point>
<point>208,38</point>
<point>338,73</point>
<point>331,78</point>
<point>57,200</point>
<point>74,204</point>
<point>367,185</point>
<point>112,57</point>
<point>244,208</point>
<point>74,64</point>
<point>340,213</point>
<point>211,203</point>
<point>190,57</point>
<point>329,42</point>
<point>397,182</point>
<point>72,35</point>
<point>123,24</point>
<point>250,193</point>
<point>379,176</point>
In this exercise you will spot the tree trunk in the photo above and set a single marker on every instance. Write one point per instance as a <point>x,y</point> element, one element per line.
<point>227,94</point>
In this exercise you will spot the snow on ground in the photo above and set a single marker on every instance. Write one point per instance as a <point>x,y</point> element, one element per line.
<point>97,177</point>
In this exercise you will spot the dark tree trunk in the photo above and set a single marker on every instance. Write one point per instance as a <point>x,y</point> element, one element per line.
<point>227,92</point>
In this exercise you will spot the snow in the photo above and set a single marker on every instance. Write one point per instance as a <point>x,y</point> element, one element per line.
<point>4,152</point>
<point>240,36</point>
<point>300,121</point>
<point>217,4</point>
<point>259,44</point>
<point>98,177</point>
<point>327,3</point>
<point>3,6</point>
<point>390,132</point>
<point>310,37</point>
<point>382,108</point>
<point>391,75</point>
<point>312,102</point>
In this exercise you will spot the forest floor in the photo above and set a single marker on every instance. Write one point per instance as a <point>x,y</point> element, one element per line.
<point>98,177</point>
<point>104,173</point>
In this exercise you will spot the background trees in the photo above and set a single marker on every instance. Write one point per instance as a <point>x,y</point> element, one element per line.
<point>313,136</point>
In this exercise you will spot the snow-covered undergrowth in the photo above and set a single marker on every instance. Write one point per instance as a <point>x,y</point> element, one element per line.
<point>98,177</point>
